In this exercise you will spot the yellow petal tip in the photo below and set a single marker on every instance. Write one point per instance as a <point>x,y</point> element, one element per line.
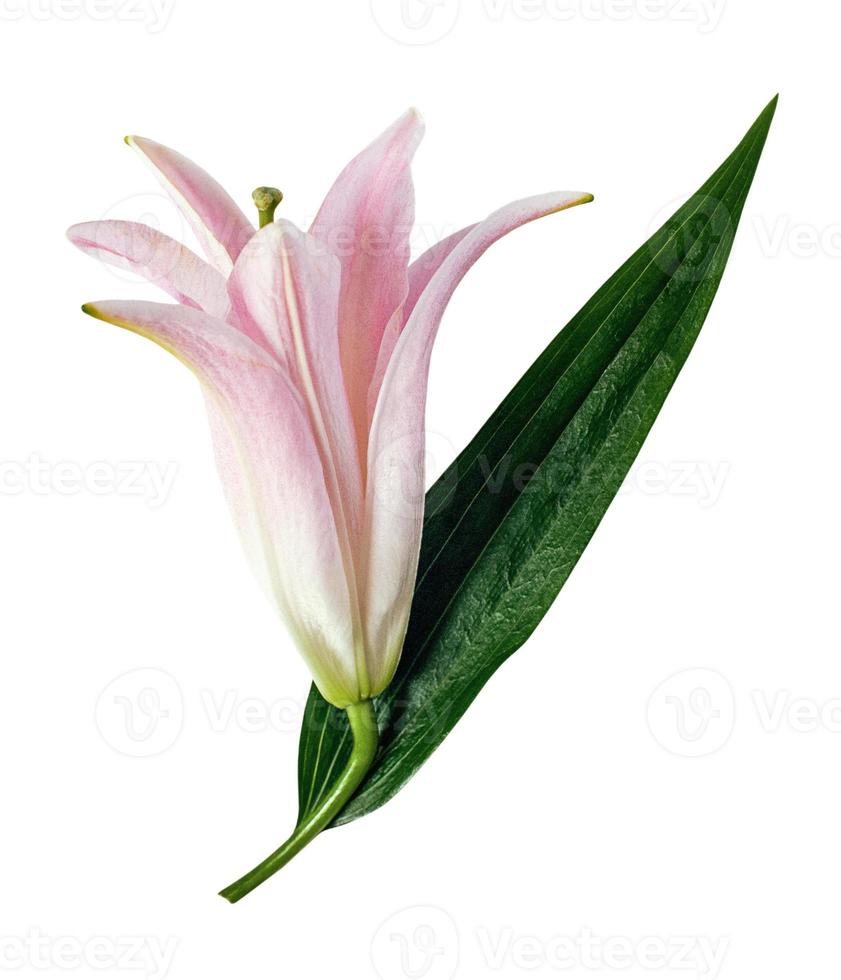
<point>91,310</point>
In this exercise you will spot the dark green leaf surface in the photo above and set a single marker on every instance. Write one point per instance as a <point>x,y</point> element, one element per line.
<point>509,519</point>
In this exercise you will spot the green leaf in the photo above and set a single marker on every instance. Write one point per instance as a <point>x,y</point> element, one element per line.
<point>498,547</point>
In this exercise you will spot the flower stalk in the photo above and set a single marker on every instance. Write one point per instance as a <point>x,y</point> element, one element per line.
<point>363,726</point>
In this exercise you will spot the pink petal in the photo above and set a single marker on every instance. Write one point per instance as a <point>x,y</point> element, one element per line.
<point>273,479</point>
<point>286,286</point>
<point>218,223</point>
<point>420,272</point>
<point>158,258</point>
<point>428,263</point>
<point>366,220</point>
<point>395,491</point>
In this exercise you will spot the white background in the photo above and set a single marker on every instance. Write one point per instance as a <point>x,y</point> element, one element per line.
<point>567,803</point>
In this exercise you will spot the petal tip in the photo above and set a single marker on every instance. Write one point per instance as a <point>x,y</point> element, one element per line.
<point>92,310</point>
<point>571,199</point>
<point>416,121</point>
<point>139,143</point>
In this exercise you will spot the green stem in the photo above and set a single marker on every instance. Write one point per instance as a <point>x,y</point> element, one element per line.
<point>363,725</point>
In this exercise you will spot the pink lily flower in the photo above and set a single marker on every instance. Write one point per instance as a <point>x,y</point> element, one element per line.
<point>313,349</point>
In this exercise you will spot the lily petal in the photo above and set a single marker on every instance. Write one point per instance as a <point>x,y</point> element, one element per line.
<point>420,272</point>
<point>163,261</point>
<point>366,219</point>
<point>272,474</point>
<point>286,286</point>
<point>395,490</point>
<point>428,263</point>
<point>218,223</point>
